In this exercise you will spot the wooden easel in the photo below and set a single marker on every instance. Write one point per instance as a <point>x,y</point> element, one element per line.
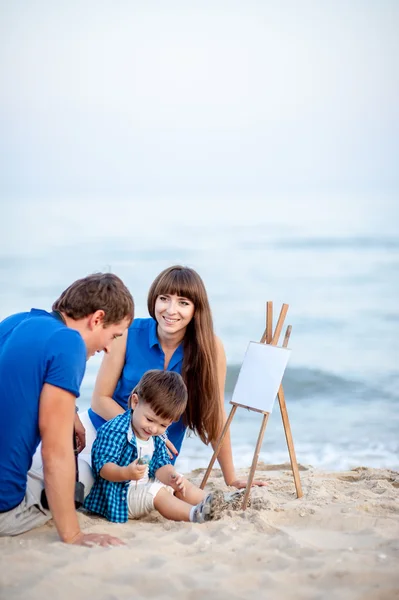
<point>267,338</point>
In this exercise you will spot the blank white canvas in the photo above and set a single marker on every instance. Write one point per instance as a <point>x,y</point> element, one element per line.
<point>260,376</point>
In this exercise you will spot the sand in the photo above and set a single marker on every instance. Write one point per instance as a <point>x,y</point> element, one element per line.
<point>341,540</point>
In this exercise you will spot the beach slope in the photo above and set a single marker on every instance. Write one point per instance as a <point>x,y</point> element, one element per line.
<point>340,541</point>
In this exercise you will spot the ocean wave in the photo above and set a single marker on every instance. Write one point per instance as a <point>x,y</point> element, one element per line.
<point>302,383</point>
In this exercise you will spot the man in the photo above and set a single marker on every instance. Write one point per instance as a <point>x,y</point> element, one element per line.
<point>42,363</point>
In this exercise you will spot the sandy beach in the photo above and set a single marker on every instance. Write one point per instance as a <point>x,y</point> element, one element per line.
<point>340,541</point>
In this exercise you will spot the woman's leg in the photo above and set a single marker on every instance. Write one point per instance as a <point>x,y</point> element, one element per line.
<point>84,463</point>
<point>91,435</point>
<point>85,475</point>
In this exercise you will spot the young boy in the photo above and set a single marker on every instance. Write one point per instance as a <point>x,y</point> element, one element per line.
<point>131,465</point>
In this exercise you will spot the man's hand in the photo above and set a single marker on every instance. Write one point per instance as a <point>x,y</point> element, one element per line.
<point>80,434</point>
<point>135,470</point>
<point>96,539</point>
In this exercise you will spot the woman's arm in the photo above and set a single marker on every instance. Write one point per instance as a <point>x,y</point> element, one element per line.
<point>108,376</point>
<point>225,457</point>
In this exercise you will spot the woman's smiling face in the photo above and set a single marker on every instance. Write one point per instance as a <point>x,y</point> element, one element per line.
<point>173,313</point>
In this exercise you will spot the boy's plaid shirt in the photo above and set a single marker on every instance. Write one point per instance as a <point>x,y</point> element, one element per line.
<point>115,443</point>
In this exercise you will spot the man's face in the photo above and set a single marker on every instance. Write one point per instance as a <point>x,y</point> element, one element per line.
<point>100,337</point>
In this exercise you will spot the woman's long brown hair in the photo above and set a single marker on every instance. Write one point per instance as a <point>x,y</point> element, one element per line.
<point>199,371</point>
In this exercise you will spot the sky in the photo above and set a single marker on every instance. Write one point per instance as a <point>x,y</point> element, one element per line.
<point>180,99</point>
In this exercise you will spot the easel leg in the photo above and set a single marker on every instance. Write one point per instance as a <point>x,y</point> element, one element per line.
<point>255,460</point>
<point>219,445</point>
<point>290,442</point>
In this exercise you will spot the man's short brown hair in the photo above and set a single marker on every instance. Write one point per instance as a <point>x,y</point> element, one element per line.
<point>100,291</point>
<point>164,391</point>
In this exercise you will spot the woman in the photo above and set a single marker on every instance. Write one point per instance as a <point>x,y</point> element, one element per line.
<point>178,337</point>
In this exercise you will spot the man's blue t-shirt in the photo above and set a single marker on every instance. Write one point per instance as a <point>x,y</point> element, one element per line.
<point>35,348</point>
<point>144,352</point>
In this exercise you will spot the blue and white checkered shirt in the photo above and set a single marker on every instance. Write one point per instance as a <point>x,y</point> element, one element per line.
<point>114,444</point>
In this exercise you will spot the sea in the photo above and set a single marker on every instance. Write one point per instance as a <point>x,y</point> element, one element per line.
<point>333,258</point>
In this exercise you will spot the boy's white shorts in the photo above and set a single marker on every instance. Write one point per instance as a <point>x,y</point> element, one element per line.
<point>140,499</point>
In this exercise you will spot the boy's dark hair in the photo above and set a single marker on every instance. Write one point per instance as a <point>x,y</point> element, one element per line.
<point>164,391</point>
<point>100,291</point>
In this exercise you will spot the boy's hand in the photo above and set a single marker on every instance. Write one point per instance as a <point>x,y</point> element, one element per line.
<point>135,470</point>
<point>177,483</point>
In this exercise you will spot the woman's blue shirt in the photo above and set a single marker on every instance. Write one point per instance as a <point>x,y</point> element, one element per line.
<point>144,352</point>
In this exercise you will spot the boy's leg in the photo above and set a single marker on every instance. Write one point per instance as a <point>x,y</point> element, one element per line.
<point>172,507</point>
<point>193,495</point>
<point>144,498</point>
<point>141,498</point>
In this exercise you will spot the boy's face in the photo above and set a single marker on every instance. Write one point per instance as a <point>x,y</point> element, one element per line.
<point>145,422</point>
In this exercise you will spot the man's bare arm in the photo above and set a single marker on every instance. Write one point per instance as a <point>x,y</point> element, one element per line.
<point>56,419</point>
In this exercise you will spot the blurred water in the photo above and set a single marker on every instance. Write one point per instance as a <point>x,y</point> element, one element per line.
<point>334,260</point>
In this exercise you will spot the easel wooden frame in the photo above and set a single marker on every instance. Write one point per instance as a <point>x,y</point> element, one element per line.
<point>267,338</point>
